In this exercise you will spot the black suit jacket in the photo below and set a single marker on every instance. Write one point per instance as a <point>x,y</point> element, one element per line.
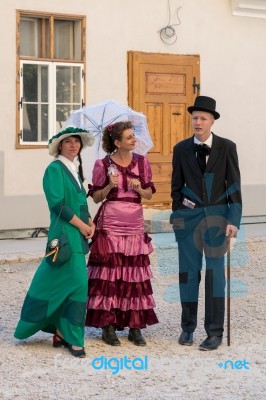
<point>219,187</point>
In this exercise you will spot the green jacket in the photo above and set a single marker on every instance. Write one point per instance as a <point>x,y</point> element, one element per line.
<point>65,197</point>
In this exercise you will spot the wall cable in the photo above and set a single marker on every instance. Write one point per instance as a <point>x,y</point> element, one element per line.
<point>168,33</point>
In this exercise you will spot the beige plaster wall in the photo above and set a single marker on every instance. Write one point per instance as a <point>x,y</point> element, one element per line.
<point>233,57</point>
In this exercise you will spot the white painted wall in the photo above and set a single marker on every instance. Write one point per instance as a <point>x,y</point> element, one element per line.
<point>233,58</point>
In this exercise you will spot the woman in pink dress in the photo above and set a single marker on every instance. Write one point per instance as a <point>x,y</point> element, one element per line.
<point>120,292</point>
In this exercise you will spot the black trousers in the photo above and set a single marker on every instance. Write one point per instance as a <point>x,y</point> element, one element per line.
<point>211,242</point>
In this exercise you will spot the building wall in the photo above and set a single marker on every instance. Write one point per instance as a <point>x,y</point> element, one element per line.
<point>232,53</point>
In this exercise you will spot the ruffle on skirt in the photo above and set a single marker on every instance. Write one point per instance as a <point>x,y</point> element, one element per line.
<point>120,319</point>
<point>129,245</point>
<point>122,303</point>
<point>120,260</point>
<point>120,291</point>
<point>127,274</point>
<point>119,288</point>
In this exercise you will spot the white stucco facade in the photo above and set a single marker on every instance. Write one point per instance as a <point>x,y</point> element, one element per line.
<point>232,68</point>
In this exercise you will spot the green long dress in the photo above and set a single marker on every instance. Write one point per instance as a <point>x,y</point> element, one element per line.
<point>57,296</point>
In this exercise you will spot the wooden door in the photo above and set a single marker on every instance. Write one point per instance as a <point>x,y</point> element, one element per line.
<point>162,86</point>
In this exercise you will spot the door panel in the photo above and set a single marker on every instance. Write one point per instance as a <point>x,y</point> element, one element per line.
<point>161,86</point>
<point>154,113</point>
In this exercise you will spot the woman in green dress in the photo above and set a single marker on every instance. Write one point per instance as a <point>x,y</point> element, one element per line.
<point>56,299</point>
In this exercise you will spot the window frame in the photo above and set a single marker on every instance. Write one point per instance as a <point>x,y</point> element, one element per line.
<point>46,60</point>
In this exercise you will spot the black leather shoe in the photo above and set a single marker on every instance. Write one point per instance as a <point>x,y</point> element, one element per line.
<point>211,343</point>
<point>109,336</point>
<point>186,338</point>
<point>136,337</point>
<point>77,353</point>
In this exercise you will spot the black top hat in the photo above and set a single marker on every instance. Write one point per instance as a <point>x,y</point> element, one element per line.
<point>204,103</point>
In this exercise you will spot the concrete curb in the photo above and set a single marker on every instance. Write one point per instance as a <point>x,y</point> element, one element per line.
<point>32,250</point>
<point>12,259</point>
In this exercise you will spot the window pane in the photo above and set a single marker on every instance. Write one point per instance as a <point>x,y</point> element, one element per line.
<point>35,123</point>
<point>44,83</point>
<point>35,82</point>
<point>34,37</point>
<point>44,122</point>
<point>35,103</point>
<point>30,131</point>
<point>68,84</point>
<point>67,40</point>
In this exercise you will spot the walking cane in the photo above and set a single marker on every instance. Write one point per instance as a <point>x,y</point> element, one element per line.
<point>228,291</point>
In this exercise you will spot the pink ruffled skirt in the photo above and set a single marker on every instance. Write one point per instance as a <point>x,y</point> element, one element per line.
<point>120,291</point>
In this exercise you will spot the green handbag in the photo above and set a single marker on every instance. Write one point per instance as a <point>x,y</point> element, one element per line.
<point>58,250</point>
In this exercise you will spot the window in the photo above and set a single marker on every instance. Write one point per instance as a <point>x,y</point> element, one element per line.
<point>50,84</point>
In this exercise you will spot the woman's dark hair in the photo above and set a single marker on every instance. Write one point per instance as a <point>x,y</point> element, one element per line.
<point>79,157</point>
<point>114,132</point>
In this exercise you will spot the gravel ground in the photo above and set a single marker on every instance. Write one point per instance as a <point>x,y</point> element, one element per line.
<point>32,369</point>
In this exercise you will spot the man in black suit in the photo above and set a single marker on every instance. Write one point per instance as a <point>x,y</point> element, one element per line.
<point>207,210</point>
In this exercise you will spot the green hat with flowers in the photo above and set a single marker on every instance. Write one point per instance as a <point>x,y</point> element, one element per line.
<point>87,138</point>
